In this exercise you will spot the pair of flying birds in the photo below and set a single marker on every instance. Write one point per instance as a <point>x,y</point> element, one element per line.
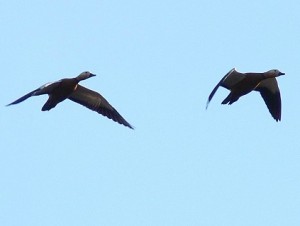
<point>238,83</point>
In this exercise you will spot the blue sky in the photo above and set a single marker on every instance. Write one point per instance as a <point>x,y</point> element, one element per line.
<point>156,63</point>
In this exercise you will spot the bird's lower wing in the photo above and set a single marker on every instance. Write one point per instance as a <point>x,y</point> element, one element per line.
<point>98,103</point>
<point>269,91</point>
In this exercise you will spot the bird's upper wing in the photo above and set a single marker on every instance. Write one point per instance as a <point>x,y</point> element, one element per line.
<point>98,103</point>
<point>228,81</point>
<point>23,98</point>
<point>39,91</point>
<point>269,91</point>
<point>232,78</point>
<point>47,88</point>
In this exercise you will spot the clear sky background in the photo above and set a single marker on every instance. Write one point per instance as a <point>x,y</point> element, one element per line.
<point>156,63</point>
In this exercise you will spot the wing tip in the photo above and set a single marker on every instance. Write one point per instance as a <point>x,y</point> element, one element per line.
<point>127,125</point>
<point>277,118</point>
<point>232,70</point>
<point>131,127</point>
<point>12,103</point>
<point>207,103</point>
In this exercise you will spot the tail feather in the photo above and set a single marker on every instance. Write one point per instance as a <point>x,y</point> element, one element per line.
<point>227,99</point>
<point>230,99</point>
<point>51,103</point>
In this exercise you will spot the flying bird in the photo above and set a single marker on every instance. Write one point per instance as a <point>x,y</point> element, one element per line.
<point>241,84</point>
<point>68,88</point>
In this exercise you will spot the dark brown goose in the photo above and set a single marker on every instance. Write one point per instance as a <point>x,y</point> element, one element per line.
<point>240,84</point>
<point>69,88</point>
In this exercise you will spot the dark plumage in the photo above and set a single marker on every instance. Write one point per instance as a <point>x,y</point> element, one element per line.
<point>69,88</point>
<point>240,84</point>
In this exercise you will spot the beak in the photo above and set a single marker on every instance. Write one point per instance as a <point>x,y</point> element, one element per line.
<point>92,75</point>
<point>281,73</point>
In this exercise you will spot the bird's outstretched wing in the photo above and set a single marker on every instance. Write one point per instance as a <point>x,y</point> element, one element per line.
<point>23,97</point>
<point>269,91</point>
<point>39,91</point>
<point>98,103</point>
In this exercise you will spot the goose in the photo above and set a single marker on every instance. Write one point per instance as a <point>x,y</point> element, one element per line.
<point>68,88</point>
<point>241,84</point>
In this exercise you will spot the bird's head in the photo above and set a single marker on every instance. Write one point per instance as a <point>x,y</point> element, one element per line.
<point>85,75</point>
<point>273,73</point>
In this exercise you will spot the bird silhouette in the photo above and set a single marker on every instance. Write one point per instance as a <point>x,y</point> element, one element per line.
<point>68,88</point>
<point>241,84</point>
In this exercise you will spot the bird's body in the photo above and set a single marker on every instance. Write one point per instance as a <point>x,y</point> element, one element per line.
<point>241,84</point>
<point>57,92</point>
<point>69,88</point>
<point>243,87</point>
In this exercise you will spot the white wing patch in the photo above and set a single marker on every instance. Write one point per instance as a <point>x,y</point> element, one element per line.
<point>45,85</point>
